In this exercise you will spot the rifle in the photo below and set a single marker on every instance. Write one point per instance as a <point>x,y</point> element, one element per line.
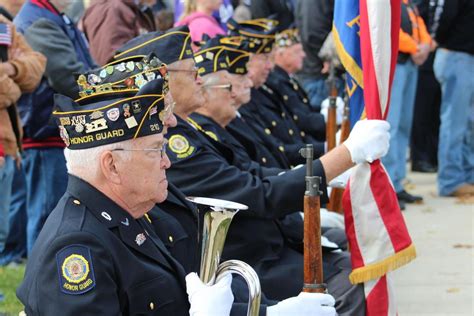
<point>335,200</point>
<point>313,260</point>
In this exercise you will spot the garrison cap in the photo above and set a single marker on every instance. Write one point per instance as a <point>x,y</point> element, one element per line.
<point>259,32</point>
<point>127,73</point>
<point>169,46</point>
<point>287,37</point>
<point>211,56</point>
<point>237,51</point>
<point>110,117</point>
<point>214,53</point>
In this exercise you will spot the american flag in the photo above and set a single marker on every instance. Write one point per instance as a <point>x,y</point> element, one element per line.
<point>5,34</point>
<point>366,35</point>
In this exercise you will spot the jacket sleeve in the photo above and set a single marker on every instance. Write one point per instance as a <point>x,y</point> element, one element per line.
<point>48,293</point>
<point>314,19</point>
<point>49,39</point>
<point>407,43</point>
<point>204,173</point>
<point>108,29</point>
<point>444,15</point>
<point>9,91</point>
<point>425,37</point>
<point>30,65</point>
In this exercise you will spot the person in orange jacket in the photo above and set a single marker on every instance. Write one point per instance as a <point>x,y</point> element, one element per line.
<point>414,48</point>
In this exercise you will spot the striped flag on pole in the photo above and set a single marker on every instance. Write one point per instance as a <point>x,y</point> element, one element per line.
<point>366,33</point>
<point>5,34</point>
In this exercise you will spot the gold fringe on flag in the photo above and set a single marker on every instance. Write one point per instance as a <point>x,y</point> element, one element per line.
<point>379,269</point>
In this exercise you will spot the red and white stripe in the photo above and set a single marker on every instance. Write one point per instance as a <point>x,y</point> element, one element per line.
<point>374,225</point>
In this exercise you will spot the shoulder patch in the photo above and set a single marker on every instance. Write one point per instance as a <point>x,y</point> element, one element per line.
<point>76,273</point>
<point>180,146</point>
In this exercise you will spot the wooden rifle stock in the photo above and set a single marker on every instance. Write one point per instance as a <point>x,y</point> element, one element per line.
<point>313,261</point>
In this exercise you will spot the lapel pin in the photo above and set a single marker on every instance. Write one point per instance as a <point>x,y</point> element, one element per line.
<point>140,239</point>
<point>106,216</point>
<point>125,222</point>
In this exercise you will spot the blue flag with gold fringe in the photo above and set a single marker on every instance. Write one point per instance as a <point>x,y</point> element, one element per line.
<point>346,34</point>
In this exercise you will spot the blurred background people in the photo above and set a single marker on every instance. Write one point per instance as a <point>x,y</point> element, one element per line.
<point>108,24</point>
<point>453,66</point>
<point>425,128</point>
<point>415,46</point>
<point>197,15</point>
<point>21,70</point>
<point>314,21</point>
<point>50,32</point>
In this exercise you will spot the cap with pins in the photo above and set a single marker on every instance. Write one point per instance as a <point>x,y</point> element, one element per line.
<point>110,116</point>
<point>170,46</point>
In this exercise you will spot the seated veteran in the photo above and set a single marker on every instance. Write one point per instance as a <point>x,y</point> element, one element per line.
<point>265,112</point>
<point>204,170</point>
<point>82,258</point>
<point>175,220</point>
<point>289,55</point>
<point>253,144</point>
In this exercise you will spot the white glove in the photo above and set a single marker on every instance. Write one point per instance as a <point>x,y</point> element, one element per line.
<point>209,300</point>
<point>369,140</point>
<point>339,109</point>
<point>314,304</point>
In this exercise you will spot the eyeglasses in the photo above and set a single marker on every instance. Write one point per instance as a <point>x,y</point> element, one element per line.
<point>160,150</point>
<point>193,71</point>
<point>228,86</point>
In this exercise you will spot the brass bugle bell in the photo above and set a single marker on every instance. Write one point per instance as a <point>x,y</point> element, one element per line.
<point>217,217</point>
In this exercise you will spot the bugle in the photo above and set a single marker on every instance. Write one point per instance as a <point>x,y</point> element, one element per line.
<point>217,217</point>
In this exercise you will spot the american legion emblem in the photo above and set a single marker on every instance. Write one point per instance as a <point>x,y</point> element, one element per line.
<point>76,273</point>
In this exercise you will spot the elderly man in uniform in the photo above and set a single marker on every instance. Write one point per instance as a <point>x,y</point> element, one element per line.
<point>203,168</point>
<point>289,56</point>
<point>81,261</point>
<point>175,220</point>
<point>265,112</point>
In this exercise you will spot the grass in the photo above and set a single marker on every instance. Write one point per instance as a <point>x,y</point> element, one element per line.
<point>10,278</point>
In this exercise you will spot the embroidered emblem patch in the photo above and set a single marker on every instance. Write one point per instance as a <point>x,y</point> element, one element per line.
<point>180,146</point>
<point>76,273</point>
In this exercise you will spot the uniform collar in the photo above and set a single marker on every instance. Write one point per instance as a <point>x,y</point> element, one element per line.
<point>106,210</point>
<point>175,196</point>
<point>136,233</point>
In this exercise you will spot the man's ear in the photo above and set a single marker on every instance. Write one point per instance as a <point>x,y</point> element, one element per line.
<point>108,166</point>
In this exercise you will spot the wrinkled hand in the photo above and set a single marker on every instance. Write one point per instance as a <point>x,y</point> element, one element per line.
<point>305,304</point>
<point>369,140</point>
<point>339,109</point>
<point>208,300</point>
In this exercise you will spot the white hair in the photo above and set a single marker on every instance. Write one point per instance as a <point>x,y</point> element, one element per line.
<point>210,79</point>
<point>86,162</point>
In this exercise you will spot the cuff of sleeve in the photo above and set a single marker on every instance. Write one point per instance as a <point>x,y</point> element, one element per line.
<point>317,165</point>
